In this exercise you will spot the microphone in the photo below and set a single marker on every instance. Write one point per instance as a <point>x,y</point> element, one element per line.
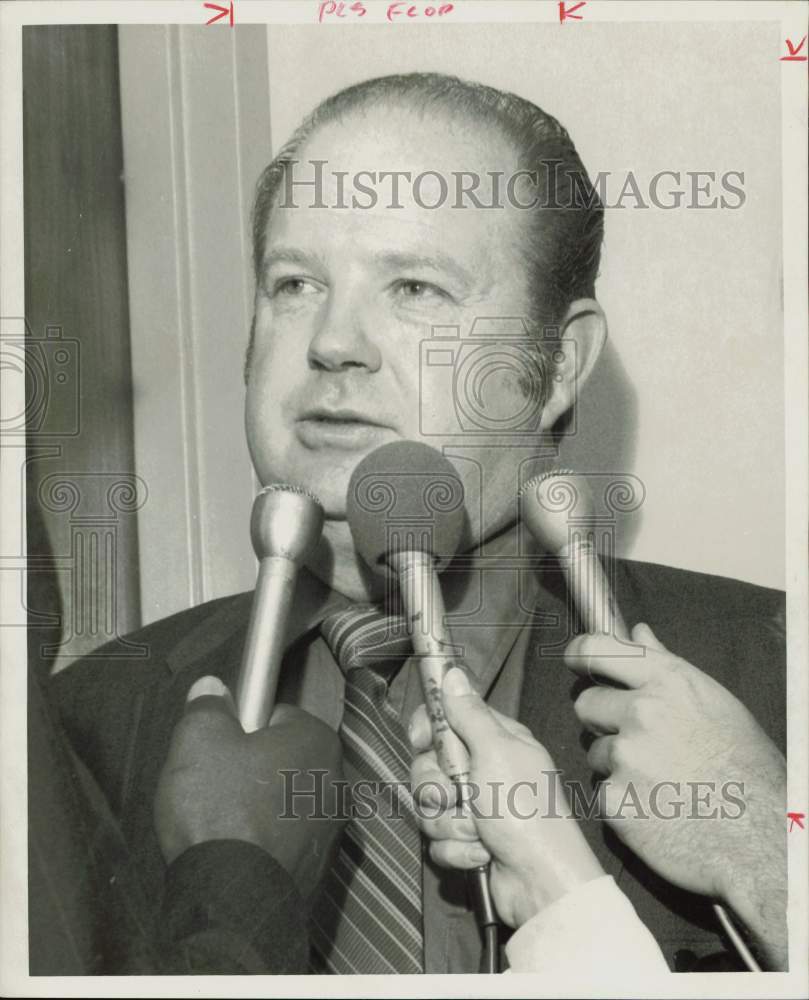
<point>285,526</point>
<point>545,503</point>
<point>391,495</point>
<point>405,509</point>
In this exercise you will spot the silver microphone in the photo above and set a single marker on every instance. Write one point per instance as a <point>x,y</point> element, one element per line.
<point>547,520</point>
<point>285,526</point>
<point>545,503</point>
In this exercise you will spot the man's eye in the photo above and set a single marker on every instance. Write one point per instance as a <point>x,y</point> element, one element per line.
<point>410,288</point>
<point>292,287</point>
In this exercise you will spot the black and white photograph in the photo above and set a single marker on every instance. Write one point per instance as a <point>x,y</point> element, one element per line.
<point>404,499</point>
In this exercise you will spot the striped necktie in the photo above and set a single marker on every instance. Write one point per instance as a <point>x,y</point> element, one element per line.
<point>368,915</point>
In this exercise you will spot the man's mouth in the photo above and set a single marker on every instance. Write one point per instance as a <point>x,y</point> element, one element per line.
<point>339,428</point>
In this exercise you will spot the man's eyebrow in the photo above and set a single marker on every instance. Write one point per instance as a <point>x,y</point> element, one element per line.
<point>436,261</point>
<point>290,255</point>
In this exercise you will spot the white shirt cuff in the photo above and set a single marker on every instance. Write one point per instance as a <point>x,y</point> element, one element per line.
<point>593,922</point>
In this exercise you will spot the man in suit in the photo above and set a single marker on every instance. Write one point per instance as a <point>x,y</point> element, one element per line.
<point>367,240</point>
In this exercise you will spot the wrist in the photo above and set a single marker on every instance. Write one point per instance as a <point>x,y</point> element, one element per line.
<point>545,885</point>
<point>754,888</point>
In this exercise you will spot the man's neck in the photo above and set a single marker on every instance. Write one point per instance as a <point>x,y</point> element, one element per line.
<point>336,563</point>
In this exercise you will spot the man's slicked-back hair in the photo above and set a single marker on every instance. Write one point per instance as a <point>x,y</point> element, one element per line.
<point>567,224</point>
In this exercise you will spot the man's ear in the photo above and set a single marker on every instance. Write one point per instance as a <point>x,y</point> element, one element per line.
<point>583,332</point>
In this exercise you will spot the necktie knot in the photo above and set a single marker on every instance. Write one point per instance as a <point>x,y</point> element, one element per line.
<point>363,635</point>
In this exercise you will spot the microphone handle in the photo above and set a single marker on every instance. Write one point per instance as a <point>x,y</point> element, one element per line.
<point>424,607</point>
<point>589,587</point>
<point>264,645</point>
<point>599,612</point>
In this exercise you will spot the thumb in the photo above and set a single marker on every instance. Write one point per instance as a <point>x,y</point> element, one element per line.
<point>643,634</point>
<point>209,697</point>
<point>467,713</point>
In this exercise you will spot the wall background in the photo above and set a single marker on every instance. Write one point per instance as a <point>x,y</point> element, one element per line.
<point>81,492</point>
<point>689,396</point>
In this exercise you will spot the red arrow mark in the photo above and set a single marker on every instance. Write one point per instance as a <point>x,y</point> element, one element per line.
<point>565,13</point>
<point>793,51</point>
<point>223,11</point>
<point>795,818</point>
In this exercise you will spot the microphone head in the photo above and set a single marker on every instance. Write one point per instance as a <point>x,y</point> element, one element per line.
<point>546,502</point>
<point>286,522</point>
<point>405,497</point>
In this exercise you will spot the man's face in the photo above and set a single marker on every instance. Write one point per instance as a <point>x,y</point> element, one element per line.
<point>347,295</point>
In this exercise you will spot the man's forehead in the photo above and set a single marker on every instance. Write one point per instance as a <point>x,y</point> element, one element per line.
<point>392,136</point>
<point>341,195</point>
<point>389,242</point>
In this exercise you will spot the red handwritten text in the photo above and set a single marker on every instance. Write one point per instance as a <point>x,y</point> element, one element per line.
<point>568,12</point>
<point>343,9</point>
<point>795,818</point>
<point>336,9</point>
<point>223,12</point>
<point>396,10</point>
<point>793,51</point>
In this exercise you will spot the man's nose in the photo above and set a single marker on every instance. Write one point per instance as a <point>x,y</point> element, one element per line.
<point>343,338</point>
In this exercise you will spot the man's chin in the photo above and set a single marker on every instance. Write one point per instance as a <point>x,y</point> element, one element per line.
<point>327,475</point>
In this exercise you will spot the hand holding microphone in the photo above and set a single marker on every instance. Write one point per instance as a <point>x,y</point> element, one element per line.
<point>220,783</point>
<point>710,783</point>
<point>406,514</point>
<point>671,728</point>
<point>519,813</point>
<point>222,778</point>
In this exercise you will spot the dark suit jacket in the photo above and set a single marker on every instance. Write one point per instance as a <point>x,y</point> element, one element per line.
<point>227,906</point>
<point>119,713</point>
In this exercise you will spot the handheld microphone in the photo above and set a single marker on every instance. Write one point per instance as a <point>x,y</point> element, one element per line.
<point>285,526</point>
<point>406,513</point>
<point>389,507</point>
<point>545,504</point>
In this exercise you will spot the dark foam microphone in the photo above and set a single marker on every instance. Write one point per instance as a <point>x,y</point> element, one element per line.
<point>285,526</point>
<point>405,508</point>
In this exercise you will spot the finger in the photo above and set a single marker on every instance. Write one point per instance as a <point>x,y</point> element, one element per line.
<point>302,736</point>
<point>284,714</point>
<point>452,825</point>
<point>467,713</point>
<point>421,735</point>
<point>210,697</point>
<point>599,756</point>
<point>511,725</point>
<point>602,709</point>
<point>429,783</point>
<point>642,633</point>
<point>419,731</point>
<point>459,854</point>
<point>432,798</point>
<point>607,657</point>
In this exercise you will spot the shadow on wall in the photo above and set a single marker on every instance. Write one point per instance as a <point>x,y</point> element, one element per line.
<point>604,442</point>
